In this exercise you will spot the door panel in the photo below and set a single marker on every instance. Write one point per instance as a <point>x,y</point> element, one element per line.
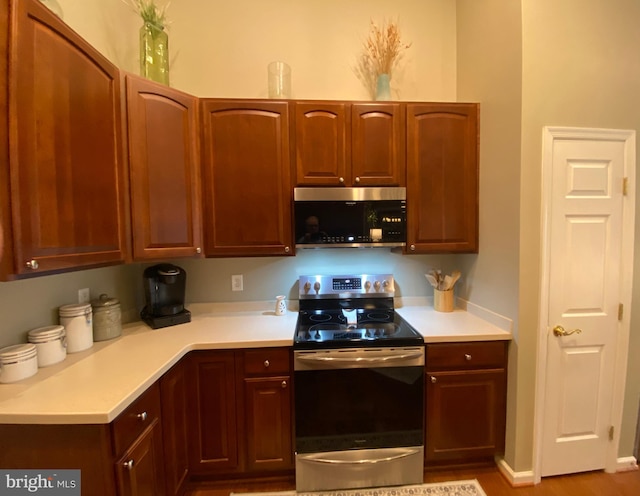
<point>584,292</point>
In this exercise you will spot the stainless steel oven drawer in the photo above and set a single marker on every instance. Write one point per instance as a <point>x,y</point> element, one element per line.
<point>359,468</point>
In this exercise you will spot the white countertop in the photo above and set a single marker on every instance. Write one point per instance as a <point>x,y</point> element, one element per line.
<point>96,385</point>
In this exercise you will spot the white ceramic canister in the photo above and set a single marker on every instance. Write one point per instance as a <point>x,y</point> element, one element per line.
<point>107,320</point>
<point>51,344</point>
<point>77,320</point>
<point>18,362</point>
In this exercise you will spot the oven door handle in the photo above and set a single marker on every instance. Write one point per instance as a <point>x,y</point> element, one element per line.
<point>333,461</point>
<point>377,359</point>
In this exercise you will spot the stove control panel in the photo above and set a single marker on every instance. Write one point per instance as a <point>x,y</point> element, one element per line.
<point>346,286</point>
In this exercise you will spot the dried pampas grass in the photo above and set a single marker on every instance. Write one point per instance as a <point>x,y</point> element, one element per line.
<point>381,52</point>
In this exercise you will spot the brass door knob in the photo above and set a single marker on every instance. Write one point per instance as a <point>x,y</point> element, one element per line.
<point>559,331</point>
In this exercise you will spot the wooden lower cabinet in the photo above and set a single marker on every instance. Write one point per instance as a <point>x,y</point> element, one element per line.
<point>139,471</point>
<point>240,413</point>
<point>173,391</point>
<point>122,458</point>
<point>213,429</point>
<point>465,402</point>
<point>267,415</point>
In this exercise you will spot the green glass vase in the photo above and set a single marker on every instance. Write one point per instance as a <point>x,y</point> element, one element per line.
<point>383,88</point>
<point>154,53</point>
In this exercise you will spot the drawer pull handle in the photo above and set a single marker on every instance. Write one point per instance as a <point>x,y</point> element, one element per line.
<point>266,364</point>
<point>142,416</point>
<point>32,264</point>
<point>128,464</point>
<point>433,380</point>
<point>284,384</point>
<point>467,357</point>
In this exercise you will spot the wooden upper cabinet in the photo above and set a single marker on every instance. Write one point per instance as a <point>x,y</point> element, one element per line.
<point>246,178</point>
<point>345,144</point>
<point>378,144</point>
<point>66,166</point>
<point>164,168</point>
<point>442,178</point>
<point>322,137</point>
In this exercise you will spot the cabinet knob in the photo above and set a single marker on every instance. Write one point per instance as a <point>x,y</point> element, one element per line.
<point>467,357</point>
<point>32,264</point>
<point>286,249</point>
<point>341,180</point>
<point>266,364</point>
<point>198,250</point>
<point>142,416</point>
<point>284,384</point>
<point>128,464</point>
<point>357,180</point>
<point>433,380</point>
<point>412,247</point>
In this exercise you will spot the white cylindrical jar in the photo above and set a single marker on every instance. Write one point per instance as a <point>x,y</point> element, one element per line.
<point>77,320</point>
<point>107,322</point>
<point>51,344</point>
<point>18,362</point>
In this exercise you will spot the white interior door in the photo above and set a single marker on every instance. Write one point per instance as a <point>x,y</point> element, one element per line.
<point>584,284</point>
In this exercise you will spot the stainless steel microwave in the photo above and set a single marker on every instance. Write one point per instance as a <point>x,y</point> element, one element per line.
<point>350,217</point>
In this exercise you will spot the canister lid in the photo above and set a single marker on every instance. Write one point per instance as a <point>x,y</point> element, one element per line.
<point>74,309</point>
<point>104,301</point>
<point>44,334</point>
<point>17,352</point>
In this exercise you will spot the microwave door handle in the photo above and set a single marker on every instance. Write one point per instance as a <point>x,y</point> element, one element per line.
<point>378,359</point>
<point>332,461</point>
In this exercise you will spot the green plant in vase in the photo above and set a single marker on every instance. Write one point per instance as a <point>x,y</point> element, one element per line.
<point>154,41</point>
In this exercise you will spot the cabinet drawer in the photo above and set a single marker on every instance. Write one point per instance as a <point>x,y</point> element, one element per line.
<point>135,419</point>
<point>455,356</point>
<point>266,361</point>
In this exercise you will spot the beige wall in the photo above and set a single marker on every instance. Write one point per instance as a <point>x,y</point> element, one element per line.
<point>221,48</point>
<point>489,71</point>
<point>580,68</point>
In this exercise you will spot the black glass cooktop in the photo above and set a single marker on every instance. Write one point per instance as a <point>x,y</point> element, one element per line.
<point>345,327</point>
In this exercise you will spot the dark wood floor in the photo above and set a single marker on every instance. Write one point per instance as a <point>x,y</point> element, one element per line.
<point>493,483</point>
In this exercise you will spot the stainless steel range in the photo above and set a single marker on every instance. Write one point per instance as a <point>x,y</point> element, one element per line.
<point>359,386</point>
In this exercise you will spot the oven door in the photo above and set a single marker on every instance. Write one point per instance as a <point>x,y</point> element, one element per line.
<point>359,416</point>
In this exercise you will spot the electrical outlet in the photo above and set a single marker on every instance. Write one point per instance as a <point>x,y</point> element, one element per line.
<point>83,295</point>
<point>236,283</point>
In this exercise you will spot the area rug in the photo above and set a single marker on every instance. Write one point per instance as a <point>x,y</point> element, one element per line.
<point>453,488</point>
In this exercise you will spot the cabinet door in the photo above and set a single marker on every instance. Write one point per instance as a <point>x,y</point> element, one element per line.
<point>67,177</point>
<point>268,424</point>
<point>246,178</point>
<point>322,136</point>
<point>140,470</point>
<point>173,392</point>
<point>213,433</point>
<point>378,144</point>
<point>164,170</point>
<point>442,178</point>
<point>465,416</point>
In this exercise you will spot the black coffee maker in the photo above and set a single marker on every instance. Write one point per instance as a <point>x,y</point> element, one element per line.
<point>164,288</point>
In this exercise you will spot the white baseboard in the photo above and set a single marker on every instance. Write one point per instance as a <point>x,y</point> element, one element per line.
<point>516,479</point>
<point>626,464</point>
<point>526,478</point>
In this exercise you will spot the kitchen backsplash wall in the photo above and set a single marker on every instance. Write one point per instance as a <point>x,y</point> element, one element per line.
<point>264,278</point>
<point>31,303</point>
